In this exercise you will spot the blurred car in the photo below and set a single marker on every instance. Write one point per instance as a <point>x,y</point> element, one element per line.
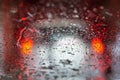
<point>60,40</point>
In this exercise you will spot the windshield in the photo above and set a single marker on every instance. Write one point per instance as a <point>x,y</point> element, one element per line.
<point>60,40</point>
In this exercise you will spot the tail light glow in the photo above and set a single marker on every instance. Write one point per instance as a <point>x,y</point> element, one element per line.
<point>97,45</point>
<point>26,46</point>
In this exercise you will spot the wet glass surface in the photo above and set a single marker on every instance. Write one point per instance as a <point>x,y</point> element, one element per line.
<point>60,40</point>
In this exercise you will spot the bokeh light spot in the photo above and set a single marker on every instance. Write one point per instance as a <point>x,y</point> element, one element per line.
<point>97,45</point>
<point>26,46</point>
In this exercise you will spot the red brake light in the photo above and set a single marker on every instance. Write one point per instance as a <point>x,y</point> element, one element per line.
<point>97,45</point>
<point>26,46</point>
